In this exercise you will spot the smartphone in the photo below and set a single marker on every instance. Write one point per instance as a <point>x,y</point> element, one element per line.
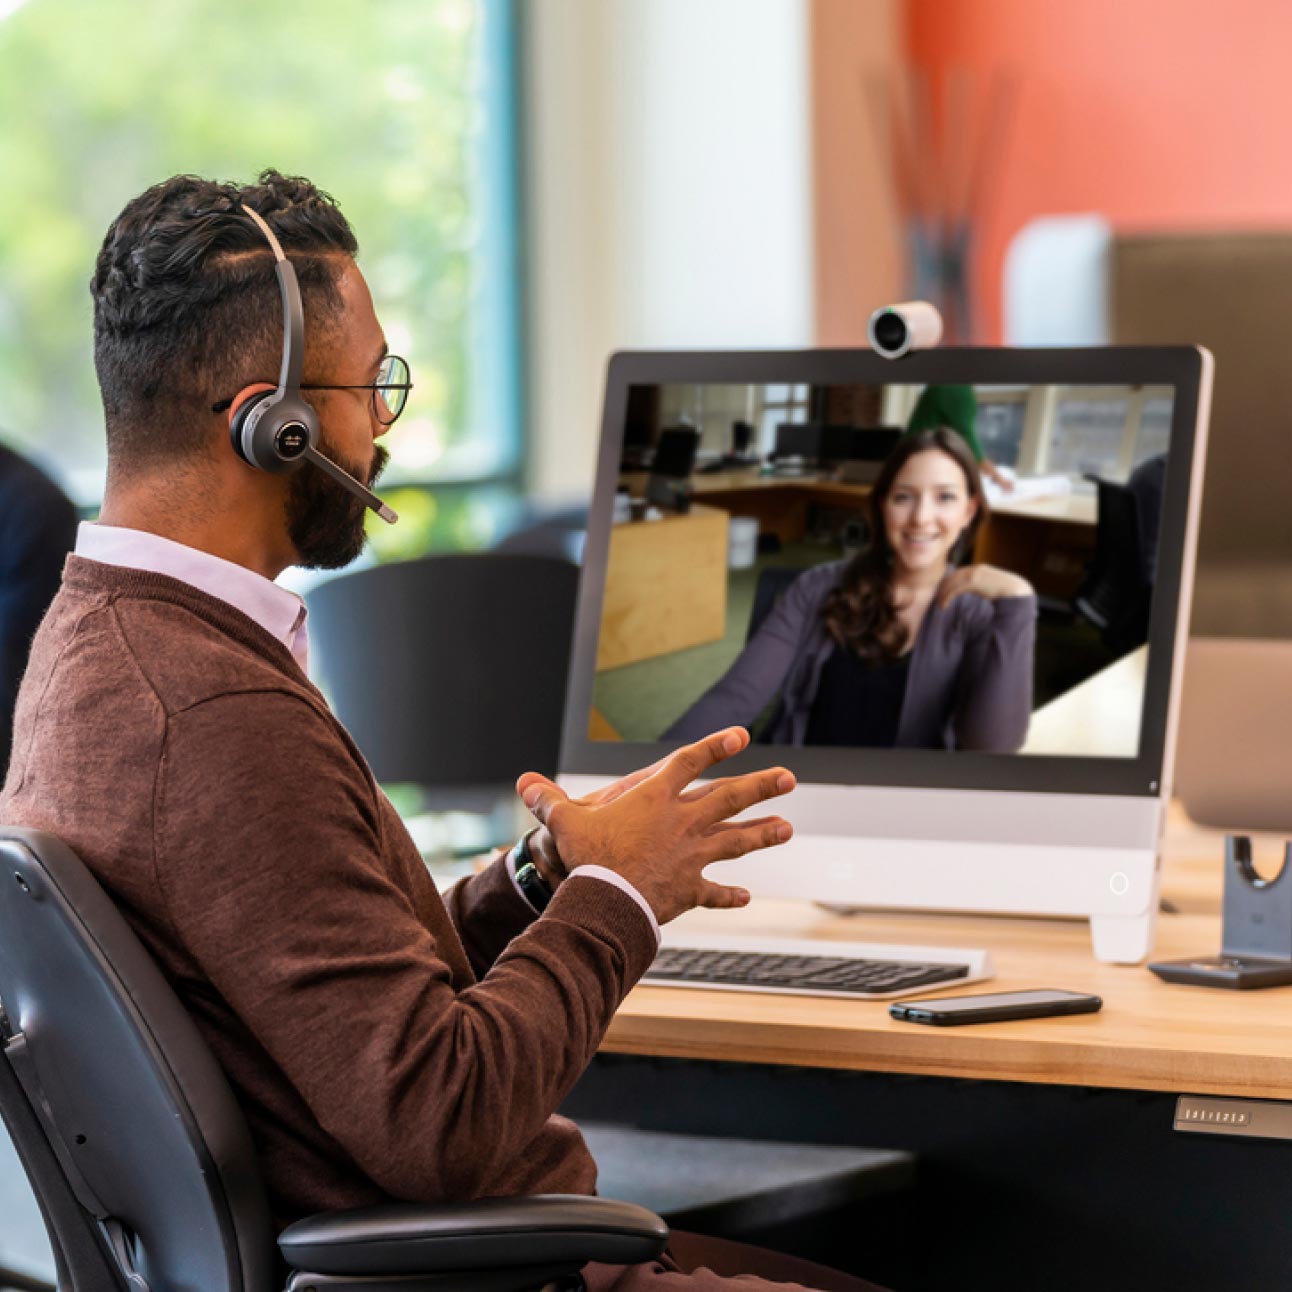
<point>953,1011</point>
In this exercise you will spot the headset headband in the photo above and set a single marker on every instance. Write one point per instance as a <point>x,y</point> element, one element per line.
<point>289,378</point>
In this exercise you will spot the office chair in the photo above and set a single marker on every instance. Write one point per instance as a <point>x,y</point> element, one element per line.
<point>449,671</point>
<point>142,1162</point>
<point>773,580</point>
<point>1114,595</point>
<point>558,532</point>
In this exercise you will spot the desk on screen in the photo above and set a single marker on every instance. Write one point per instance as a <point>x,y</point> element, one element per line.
<point>666,586</point>
<point>1048,541</point>
<point>1100,716</point>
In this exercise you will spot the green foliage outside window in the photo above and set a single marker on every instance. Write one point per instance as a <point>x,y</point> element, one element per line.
<point>381,104</point>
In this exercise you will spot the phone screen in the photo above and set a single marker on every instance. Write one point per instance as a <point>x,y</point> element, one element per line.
<point>999,1000</point>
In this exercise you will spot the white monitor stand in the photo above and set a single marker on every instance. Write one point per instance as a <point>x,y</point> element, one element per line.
<point>933,830</point>
<point>952,850</point>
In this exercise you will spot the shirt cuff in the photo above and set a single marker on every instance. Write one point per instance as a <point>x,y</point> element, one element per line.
<point>609,876</point>
<point>603,873</point>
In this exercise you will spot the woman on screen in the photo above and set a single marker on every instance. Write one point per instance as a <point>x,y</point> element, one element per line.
<point>900,646</point>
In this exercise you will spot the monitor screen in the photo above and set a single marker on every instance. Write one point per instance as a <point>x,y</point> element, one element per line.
<point>797,440</point>
<point>997,588</point>
<point>675,452</point>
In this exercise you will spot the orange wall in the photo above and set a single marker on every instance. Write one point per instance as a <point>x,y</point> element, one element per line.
<point>858,260</point>
<point>1158,113</point>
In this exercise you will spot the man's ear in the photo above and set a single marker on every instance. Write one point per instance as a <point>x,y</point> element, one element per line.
<point>245,394</point>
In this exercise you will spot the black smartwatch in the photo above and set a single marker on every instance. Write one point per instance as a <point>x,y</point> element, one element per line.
<point>538,892</point>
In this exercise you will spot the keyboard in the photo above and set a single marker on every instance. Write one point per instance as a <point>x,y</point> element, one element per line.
<point>811,968</point>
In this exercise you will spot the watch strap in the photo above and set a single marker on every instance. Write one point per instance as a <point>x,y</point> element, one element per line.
<point>537,891</point>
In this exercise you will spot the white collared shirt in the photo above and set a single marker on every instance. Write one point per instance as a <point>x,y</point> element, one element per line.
<point>280,613</point>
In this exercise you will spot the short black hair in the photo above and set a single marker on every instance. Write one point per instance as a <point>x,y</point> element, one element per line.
<point>187,308</point>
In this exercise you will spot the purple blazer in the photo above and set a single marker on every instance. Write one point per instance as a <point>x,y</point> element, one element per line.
<point>969,685</point>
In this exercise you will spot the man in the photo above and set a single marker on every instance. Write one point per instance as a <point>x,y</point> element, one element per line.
<point>37,530</point>
<point>382,1044</point>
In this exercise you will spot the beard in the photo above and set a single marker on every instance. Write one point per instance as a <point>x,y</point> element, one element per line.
<point>325,520</point>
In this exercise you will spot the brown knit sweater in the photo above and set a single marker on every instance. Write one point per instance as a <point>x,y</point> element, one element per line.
<point>381,1045</point>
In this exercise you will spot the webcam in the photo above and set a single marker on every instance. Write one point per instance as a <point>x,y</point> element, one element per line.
<point>912,325</point>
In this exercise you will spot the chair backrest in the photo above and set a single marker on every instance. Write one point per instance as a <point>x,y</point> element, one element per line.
<point>449,670</point>
<point>560,535</point>
<point>133,1105</point>
<point>1114,595</point>
<point>771,585</point>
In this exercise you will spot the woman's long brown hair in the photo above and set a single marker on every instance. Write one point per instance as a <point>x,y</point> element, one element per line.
<point>859,613</point>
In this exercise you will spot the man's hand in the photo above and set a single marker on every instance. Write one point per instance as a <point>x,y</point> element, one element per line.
<point>542,847</point>
<point>660,835</point>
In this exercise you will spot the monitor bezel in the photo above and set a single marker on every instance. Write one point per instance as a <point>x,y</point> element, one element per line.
<point>1142,776</point>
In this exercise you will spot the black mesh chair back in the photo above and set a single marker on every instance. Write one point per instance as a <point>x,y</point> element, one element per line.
<point>558,532</point>
<point>449,670</point>
<point>772,583</point>
<point>1115,596</point>
<point>130,1107</point>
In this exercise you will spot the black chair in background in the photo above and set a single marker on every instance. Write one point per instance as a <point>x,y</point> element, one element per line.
<point>668,484</point>
<point>558,532</point>
<point>449,671</point>
<point>37,531</point>
<point>142,1162</point>
<point>773,580</point>
<point>1115,596</point>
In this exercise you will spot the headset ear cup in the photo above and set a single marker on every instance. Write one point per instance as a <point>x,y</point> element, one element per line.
<point>240,436</point>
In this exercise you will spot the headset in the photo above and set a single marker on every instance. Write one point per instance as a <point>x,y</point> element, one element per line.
<point>273,428</point>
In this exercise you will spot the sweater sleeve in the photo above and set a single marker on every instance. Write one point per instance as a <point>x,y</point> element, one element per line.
<point>759,671</point>
<point>271,859</point>
<point>994,689</point>
<point>488,912</point>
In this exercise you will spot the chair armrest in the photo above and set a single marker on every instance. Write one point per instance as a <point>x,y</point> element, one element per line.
<point>490,1234</point>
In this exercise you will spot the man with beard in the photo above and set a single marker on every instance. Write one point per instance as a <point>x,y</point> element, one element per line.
<point>384,1043</point>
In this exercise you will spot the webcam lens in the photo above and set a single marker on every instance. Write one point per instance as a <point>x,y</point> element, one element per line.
<point>890,332</point>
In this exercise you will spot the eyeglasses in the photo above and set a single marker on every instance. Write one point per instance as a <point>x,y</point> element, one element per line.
<point>389,391</point>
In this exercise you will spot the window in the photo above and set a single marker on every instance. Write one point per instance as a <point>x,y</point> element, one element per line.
<point>403,111</point>
<point>1087,436</point>
<point>1001,416</point>
<point>1154,434</point>
<point>779,404</point>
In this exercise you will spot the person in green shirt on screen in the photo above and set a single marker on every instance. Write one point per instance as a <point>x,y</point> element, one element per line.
<point>956,407</point>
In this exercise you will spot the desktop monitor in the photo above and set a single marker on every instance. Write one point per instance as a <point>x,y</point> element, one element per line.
<point>1014,752</point>
<point>836,445</point>
<point>873,443</point>
<point>798,440</point>
<point>675,452</point>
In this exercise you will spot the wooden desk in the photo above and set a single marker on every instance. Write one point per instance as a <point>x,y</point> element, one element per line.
<point>1049,541</point>
<point>1099,716</point>
<point>1046,1149</point>
<point>780,504</point>
<point>1149,1036</point>
<point>666,586</point>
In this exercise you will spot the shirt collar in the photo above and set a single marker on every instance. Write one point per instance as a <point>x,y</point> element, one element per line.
<point>280,613</point>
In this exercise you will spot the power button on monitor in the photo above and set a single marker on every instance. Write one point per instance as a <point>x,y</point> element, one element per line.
<point>1119,882</point>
